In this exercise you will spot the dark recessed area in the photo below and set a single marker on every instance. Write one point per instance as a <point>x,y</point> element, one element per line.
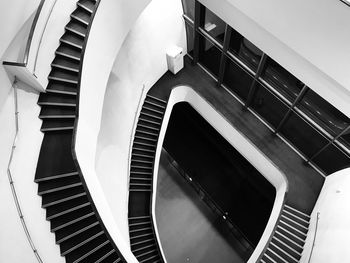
<point>237,189</point>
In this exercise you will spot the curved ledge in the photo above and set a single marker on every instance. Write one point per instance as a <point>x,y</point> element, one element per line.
<point>239,142</point>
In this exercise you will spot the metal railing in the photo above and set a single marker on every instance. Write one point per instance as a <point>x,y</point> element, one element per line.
<point>28,46</point>
<point>10,178</point>
<point>313,242</point>
<point>133,132</point>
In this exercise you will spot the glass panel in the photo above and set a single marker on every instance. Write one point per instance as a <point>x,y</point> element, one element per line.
<point>237,80</point>
<point>282,80</point>
<point>188,6</point>
<point>302,135</point>
<point>209,55</point>
<point>214,26</point>
<point>268,106</point>
<point>190,39</point>
<point>245,50</point>
<point>331,160</point>
<point>324,113</point>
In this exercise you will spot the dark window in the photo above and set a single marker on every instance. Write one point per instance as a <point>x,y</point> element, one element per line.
<point>324,113</point>
<point>190,39</point>
<point>268,106</point>
<point>209,55</point>
<point>331,159</point>
<point>237,80</point>
<point>302,135</point>
<point>214,26</point>
<point>345,139</point>
<point>282,80</point>
<point>188,6</point>
<point>245,50</point>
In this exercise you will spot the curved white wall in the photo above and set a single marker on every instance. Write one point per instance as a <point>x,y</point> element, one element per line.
<point>239,142</point>
<point>141,61</point>
<point>308,38</point>
<point>111,24</point>
<point>332,237</point>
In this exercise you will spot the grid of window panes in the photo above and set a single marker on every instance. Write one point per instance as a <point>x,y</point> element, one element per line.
<point>319,131</point>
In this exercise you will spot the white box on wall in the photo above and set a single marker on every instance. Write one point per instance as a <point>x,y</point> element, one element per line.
<point>174,58</point>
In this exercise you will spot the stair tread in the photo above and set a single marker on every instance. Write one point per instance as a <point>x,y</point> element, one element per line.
<point>66,207</point>
<point>66,64</point>
<point>61,99</point>
<point>55,155</point>
<point>156,99</point>
<point>68,52</point>
<point>71,218</point>
<point>72,39</point>
<point>58,183</point>
<point>77,28</point>
<point>62,195</point>
<point>87,4</point>
<point>87,249</point>
<point>81,15</point>
<point>74,229</point>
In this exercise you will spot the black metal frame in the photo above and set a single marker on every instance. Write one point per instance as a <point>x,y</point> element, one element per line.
<point>198,32</point>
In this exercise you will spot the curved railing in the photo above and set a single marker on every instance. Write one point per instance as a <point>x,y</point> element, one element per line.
<point>12,183</point>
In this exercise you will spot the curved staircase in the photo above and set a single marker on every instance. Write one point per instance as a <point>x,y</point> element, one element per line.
<point>287,242</point>
<point>143,240</point>
<point>78,229</point>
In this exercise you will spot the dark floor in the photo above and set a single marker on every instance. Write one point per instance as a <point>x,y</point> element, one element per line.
<point>304,182</point>
<point>188,230</point>
<point>238,189</point>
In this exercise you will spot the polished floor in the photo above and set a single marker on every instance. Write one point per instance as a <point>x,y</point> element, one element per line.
<point>304,182</point>
<point>188,230</point>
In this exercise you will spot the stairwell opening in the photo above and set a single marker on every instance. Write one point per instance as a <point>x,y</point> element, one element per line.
<point>201,171</point>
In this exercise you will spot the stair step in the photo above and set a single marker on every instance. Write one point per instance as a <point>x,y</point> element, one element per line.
<point>48,99</point>
<point>154,104</point>
<point>105,254</point>
<point>76,28</point>
<point>143,248</point>
<point>148,258</point>
<point>75,229</point>
<point>66,207</point>
<point>56,156</point>
<point>276,256</point>
<point>58,116</point>
<point>289,241</point>
<point>68,52</point>
<point>53,185</point>
<point>71,218</point>
<point>55,177</point>
<point>145,145</point>
<point>139,125</point>
<point>72,40</point>
<point>292,228</point>
<point>87,249</point>
<point>287,248</point>
<point>141,161</point>
<point>138,156</point>
<point>141,138</point>
<point>140,229</point>
<point>268,259</point>
<point>142,133</point>
<point>142,150</point>
<point>87,5</point>
<point>291,235</point>
<point>282,253</point>
<point>156,99</point>
<point>295,224</point>
<point>295,218</point>
<point>51,112</point>
<point>152,112</point>
<point>61,88</point>
<point>66,64</point>
<point>55,124</point>
<point>82,16</point>
<point>149,123</point>
<point>297,212</point>
<point>139,224</point>
<point>62,196</point>
<point>138,243</point>
<point>80,239</point>
<point>152,116</point>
